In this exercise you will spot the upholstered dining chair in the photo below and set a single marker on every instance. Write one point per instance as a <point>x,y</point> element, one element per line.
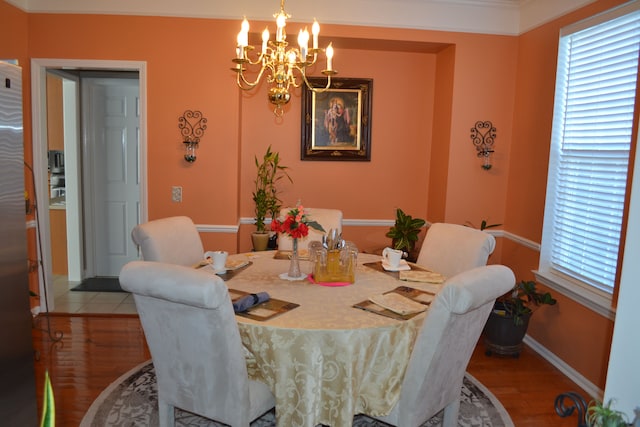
<point>195,345</point>
<point>327,218</point>
<point>174,240</point>
<point>444,345</point>
<point>450,249</point>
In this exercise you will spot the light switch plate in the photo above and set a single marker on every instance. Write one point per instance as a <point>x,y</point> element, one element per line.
<point>176,194</point>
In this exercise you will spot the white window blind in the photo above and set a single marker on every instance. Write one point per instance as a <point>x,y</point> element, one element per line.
<point>591,138</point>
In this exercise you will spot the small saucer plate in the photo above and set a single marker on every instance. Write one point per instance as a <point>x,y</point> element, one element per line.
<point>402,267</point>
<point>285,276</point>
<point>219,270</point>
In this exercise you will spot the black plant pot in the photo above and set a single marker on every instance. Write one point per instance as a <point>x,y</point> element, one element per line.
<point>501,335</point>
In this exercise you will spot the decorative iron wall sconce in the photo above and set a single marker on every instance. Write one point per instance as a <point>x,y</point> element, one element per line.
<point>483,134</point>
<point>192,126</point>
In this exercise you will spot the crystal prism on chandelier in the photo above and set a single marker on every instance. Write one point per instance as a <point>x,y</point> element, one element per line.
<point>284,67</point>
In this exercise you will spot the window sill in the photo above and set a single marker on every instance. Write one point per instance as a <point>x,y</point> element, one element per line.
<point>593,299</point>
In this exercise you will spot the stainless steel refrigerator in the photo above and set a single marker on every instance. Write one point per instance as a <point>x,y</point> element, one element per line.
<point>18,405</point>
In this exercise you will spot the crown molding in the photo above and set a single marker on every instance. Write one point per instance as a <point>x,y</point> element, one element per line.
<point>504,17</point>
<point>534,13</point>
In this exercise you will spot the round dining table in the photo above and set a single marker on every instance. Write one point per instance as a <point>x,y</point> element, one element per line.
<point>324,360</point>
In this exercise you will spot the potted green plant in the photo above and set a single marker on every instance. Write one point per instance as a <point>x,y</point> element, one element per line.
<point>483,225</point>
<point>265,195</point>
<point>508,321</point>
<point>600,414</point>
<point>404,233</point>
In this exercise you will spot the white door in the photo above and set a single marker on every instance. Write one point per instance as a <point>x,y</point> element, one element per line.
<point>112,185</point>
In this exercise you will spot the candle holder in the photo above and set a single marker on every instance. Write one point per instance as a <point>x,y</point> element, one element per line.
<point>483,135</point>
<point>192,126</point>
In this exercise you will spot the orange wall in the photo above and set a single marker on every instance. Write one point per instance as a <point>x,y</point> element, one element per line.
<point>439,162</point>
<point>186,73</point>
<point>424,104</point>
<point>14,40</point>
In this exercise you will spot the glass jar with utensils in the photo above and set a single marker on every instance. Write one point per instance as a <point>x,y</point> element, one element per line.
<point>334,259</point>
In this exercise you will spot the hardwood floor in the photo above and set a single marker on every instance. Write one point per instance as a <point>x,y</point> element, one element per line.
<point>97,349</point>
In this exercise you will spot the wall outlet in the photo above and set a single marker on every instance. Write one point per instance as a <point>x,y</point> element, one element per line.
<point>176,194</point>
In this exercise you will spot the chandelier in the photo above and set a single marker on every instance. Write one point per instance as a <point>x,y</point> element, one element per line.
<point>282,65</point>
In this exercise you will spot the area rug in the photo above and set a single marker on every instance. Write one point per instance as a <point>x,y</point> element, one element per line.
<point>132,400</point>
<point>99,284</point>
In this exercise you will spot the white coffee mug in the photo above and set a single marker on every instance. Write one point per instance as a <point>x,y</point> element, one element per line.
<point>219,259</point>
<point>392,257</point>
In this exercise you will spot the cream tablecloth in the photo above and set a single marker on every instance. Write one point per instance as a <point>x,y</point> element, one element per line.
<point>325,361</point>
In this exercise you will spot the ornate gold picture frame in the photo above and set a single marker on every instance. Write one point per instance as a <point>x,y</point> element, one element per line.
<point>336,123</point>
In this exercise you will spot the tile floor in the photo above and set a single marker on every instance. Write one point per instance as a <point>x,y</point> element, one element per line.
<point>68,301</point>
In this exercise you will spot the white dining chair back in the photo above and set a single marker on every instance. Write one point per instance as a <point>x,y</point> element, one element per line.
<point>174,240</point>
<point>450,249</point>
<point>195,345</point>
<point>443,348</point>
<point>328,218</point>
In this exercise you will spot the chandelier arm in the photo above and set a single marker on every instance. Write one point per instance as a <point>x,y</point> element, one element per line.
<point>314,56</point>
<point>244,84</point>
<point>316,89</point>
<point>292,80</point>
<point>259,58</point>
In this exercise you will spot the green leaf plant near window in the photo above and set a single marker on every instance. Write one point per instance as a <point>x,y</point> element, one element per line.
<point>509,320</point>
<point>593,115</point>
<point>523,300</point>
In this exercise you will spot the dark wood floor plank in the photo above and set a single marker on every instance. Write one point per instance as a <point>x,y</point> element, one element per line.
<point>96,350</point>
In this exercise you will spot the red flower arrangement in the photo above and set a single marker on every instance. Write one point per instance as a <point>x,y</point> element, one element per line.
<point>296,224</point>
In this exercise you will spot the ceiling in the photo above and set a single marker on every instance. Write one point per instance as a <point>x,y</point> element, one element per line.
<point>508,17</point>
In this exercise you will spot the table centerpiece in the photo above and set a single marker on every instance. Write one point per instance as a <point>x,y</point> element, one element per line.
<point>296,224</point>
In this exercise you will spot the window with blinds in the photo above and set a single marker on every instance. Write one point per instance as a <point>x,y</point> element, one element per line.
<point>590,143</point>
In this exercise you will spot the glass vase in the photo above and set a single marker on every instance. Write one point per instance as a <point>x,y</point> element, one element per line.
<point>294,264</point>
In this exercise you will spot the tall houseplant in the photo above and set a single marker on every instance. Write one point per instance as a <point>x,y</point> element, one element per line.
<point>508,322</point>
<point>265,195</point>
<point>404,233</point>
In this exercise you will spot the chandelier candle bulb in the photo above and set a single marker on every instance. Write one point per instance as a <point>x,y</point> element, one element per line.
<point>241,45</point>
<point>265,40</point>
<point>281,21</point>
<point>245,25</point>
<point>315,30</point>
<point>243,35</point>
<point>303,41</point>
<point>329,56</point>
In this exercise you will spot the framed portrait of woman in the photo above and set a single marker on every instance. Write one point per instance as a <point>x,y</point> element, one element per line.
<point>336,122</point>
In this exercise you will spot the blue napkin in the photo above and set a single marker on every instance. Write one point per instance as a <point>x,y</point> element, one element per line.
<point>248,301</point>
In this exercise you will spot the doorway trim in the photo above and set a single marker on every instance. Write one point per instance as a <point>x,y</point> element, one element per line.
<point>39,68</point>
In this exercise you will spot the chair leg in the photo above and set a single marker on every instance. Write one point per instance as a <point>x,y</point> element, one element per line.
<point>450,416</point>
<point>166,414</point>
